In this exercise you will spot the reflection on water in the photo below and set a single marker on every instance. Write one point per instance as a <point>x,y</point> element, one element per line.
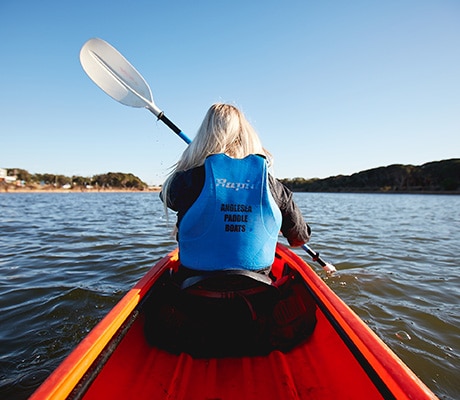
<point>66,259</point>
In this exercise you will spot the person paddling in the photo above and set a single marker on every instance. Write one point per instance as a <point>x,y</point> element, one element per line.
<point>230,209</point>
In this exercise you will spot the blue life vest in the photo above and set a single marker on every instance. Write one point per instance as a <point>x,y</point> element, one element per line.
<point>234,223</point>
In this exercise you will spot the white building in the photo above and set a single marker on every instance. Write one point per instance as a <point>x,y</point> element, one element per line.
<point>5,178</point>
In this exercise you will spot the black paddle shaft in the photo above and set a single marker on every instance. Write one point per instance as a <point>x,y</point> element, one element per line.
<point>173,127</point>
<point>169,123</point>
<point>315,256</point>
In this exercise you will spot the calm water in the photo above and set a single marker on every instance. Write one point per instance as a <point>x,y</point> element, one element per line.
<point>66,259</point>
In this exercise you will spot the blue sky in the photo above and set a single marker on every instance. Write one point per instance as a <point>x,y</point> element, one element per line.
<point>332,87</point>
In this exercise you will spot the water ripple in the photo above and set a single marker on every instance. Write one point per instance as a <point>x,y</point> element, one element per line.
<point>66,259</point>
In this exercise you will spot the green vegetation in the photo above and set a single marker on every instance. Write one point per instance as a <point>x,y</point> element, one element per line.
<point>434,177</point>
<point>111,180</point>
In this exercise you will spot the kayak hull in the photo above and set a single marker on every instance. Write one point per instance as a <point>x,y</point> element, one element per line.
<point>341,359</point>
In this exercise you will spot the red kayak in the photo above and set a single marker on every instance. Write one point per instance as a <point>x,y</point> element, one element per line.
<point>232,337</point>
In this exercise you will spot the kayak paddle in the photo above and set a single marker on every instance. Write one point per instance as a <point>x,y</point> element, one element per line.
<point>113,73</point>
<point>328,267</point>
<point>109,70</point>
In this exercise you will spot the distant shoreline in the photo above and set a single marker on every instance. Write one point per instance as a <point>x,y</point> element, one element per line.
<point>48,190</point>
<point>60,190</point>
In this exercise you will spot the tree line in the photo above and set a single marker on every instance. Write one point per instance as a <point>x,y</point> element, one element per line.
<point>438,176</point>
<point>111,180</point>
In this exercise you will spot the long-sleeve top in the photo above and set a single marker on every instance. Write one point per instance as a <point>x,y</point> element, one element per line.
<point>186,186</point>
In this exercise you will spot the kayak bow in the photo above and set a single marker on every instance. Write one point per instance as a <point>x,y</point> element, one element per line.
<point>341,359</point>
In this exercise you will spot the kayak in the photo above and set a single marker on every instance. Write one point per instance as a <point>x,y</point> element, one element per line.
<point>232,336</point>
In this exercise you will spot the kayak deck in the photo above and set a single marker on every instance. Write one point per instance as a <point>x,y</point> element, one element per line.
<point>320,369</point>
<point>342,359</point>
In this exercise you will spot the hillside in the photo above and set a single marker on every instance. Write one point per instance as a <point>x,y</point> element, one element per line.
<point>434,177</point>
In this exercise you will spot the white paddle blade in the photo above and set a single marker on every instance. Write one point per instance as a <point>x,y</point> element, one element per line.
<point>109,70</point>
<point>330,268</point>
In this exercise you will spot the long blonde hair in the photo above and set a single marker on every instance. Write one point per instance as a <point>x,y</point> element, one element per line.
<point>224,129</point>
